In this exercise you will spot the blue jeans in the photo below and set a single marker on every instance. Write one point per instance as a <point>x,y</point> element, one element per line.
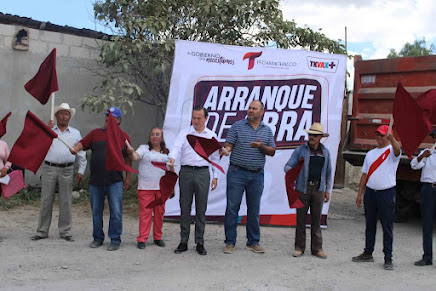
<point>379,204</point>
<point>238,181</point>
<point>428,209</point>
<point>114,194</point>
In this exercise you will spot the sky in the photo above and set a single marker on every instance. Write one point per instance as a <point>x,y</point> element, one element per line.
<point>373,26</point>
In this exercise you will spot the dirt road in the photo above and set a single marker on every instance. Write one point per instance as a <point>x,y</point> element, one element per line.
<point>56,264</point>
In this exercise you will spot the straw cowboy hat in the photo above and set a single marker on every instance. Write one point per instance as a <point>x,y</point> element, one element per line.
<point>66,107</point>
<point>317,128</point>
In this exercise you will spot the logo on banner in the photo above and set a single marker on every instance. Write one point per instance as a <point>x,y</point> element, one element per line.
<point>251,57</point>
<point>323,65</point>
<point>291,106</point>
<point>211,57</point>
<point>254,59</point>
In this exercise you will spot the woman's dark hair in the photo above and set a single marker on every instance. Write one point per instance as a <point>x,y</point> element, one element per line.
<point>163,147</point>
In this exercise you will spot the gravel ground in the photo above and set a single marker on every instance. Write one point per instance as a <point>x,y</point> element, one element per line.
<point>53,263</point>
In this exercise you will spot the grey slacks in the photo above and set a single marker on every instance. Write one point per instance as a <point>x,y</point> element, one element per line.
<point>315,201</point>
<point>50,177</point>
<point>193,181</point>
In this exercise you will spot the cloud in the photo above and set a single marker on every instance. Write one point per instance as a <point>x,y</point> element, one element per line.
<point>385,24</point>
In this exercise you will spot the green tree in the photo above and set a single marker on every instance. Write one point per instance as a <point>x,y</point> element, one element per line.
<point>137,61</point>
<point>418,48</point>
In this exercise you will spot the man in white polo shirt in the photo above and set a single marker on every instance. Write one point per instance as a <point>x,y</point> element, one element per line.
<point>379,176</point>
<point>426,160</point>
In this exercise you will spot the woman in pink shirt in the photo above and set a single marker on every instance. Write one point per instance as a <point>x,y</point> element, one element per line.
<point>4,165</point>
<point>148,186</point>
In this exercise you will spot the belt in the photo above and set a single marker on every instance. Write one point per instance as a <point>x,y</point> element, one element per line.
<point>313,183</point>
<point>433,185</point>
<point>194,167</point>
<point>58,165</point>
<point>247,169</point>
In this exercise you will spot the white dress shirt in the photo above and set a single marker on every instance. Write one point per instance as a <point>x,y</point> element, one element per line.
<point>188,157</point>
<point>428,166</point>
<point>59,152</point>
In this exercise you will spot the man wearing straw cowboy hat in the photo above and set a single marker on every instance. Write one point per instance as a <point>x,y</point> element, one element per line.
<point>379,176</point>
<point>426,160</point>
<point>58,168</point>
<point>314,182</point>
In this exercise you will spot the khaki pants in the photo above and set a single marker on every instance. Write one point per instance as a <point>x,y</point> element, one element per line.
<point>64,178</point>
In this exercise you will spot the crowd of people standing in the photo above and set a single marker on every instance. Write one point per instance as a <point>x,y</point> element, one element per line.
<point>249,141</point>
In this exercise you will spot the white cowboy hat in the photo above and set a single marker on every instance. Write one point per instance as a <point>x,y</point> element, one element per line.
<point>316,128</point>
<point>66,107</point>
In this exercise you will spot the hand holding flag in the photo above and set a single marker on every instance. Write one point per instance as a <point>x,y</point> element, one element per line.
<point>204,147</point>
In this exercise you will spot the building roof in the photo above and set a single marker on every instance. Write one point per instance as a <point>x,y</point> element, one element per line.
<point>41,25</point>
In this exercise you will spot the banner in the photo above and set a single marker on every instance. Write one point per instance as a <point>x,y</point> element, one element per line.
<point>297,88</point>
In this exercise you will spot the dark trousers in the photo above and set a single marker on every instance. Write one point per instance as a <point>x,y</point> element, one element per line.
<point>193,181</point>
<point>379,205</point>
<point>313,200</point>
<point>428,208</point>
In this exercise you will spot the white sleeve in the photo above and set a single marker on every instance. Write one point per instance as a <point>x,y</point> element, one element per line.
<point>414,164</point>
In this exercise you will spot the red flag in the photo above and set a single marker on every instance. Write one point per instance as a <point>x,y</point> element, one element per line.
<point>33,144</point>
<point>290,178</point>
<point>3,124</point>
<point>411,122</point>
<point>45,81</point>
<point>114,147</point>
<point>166,186</point>
<point>204,147</point>
<point>160,165</point>
<point>427,101</point>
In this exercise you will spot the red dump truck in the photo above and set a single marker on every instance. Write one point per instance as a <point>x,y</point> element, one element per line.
<point>375,83</point>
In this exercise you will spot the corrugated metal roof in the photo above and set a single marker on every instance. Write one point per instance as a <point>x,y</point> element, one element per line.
<point>41,25</point>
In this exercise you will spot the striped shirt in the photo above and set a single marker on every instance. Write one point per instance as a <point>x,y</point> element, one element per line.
<point>240,134</point>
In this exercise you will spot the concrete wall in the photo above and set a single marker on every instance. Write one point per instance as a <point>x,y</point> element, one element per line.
<point>75,57</point>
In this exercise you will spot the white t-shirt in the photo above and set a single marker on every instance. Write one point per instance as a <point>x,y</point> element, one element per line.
<point>149,175</point>
<point>384,177</point>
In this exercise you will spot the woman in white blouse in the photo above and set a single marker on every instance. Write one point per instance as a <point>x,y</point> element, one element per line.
<point>148,186</point>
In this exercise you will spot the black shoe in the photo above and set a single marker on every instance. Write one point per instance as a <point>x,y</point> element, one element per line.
<point>200,249</point>
<point>68,238</point>
<point>36,237</point>
<point>364,257</point>
<point>159,242</point>
<point>423,263</point>
<point>388,264</point>
<point>141,245</point>
<point>113,247</point>
<point>95,244</point>
<point>183,247</point>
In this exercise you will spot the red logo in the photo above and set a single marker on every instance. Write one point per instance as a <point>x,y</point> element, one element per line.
<point>251,57</point>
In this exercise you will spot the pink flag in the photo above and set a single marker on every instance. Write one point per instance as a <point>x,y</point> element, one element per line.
<point>45,81</point>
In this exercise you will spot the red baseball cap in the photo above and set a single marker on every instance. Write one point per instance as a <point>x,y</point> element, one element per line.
<point>383,129</point>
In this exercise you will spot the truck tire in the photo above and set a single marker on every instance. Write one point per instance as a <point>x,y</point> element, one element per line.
<point>407,200</point>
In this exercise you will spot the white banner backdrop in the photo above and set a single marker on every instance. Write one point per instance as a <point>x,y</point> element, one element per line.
<point>297,88</point>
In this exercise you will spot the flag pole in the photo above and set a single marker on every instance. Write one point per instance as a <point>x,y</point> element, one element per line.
<point>391,122</point>
<point>52,106</point>
<point>65,143</point>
